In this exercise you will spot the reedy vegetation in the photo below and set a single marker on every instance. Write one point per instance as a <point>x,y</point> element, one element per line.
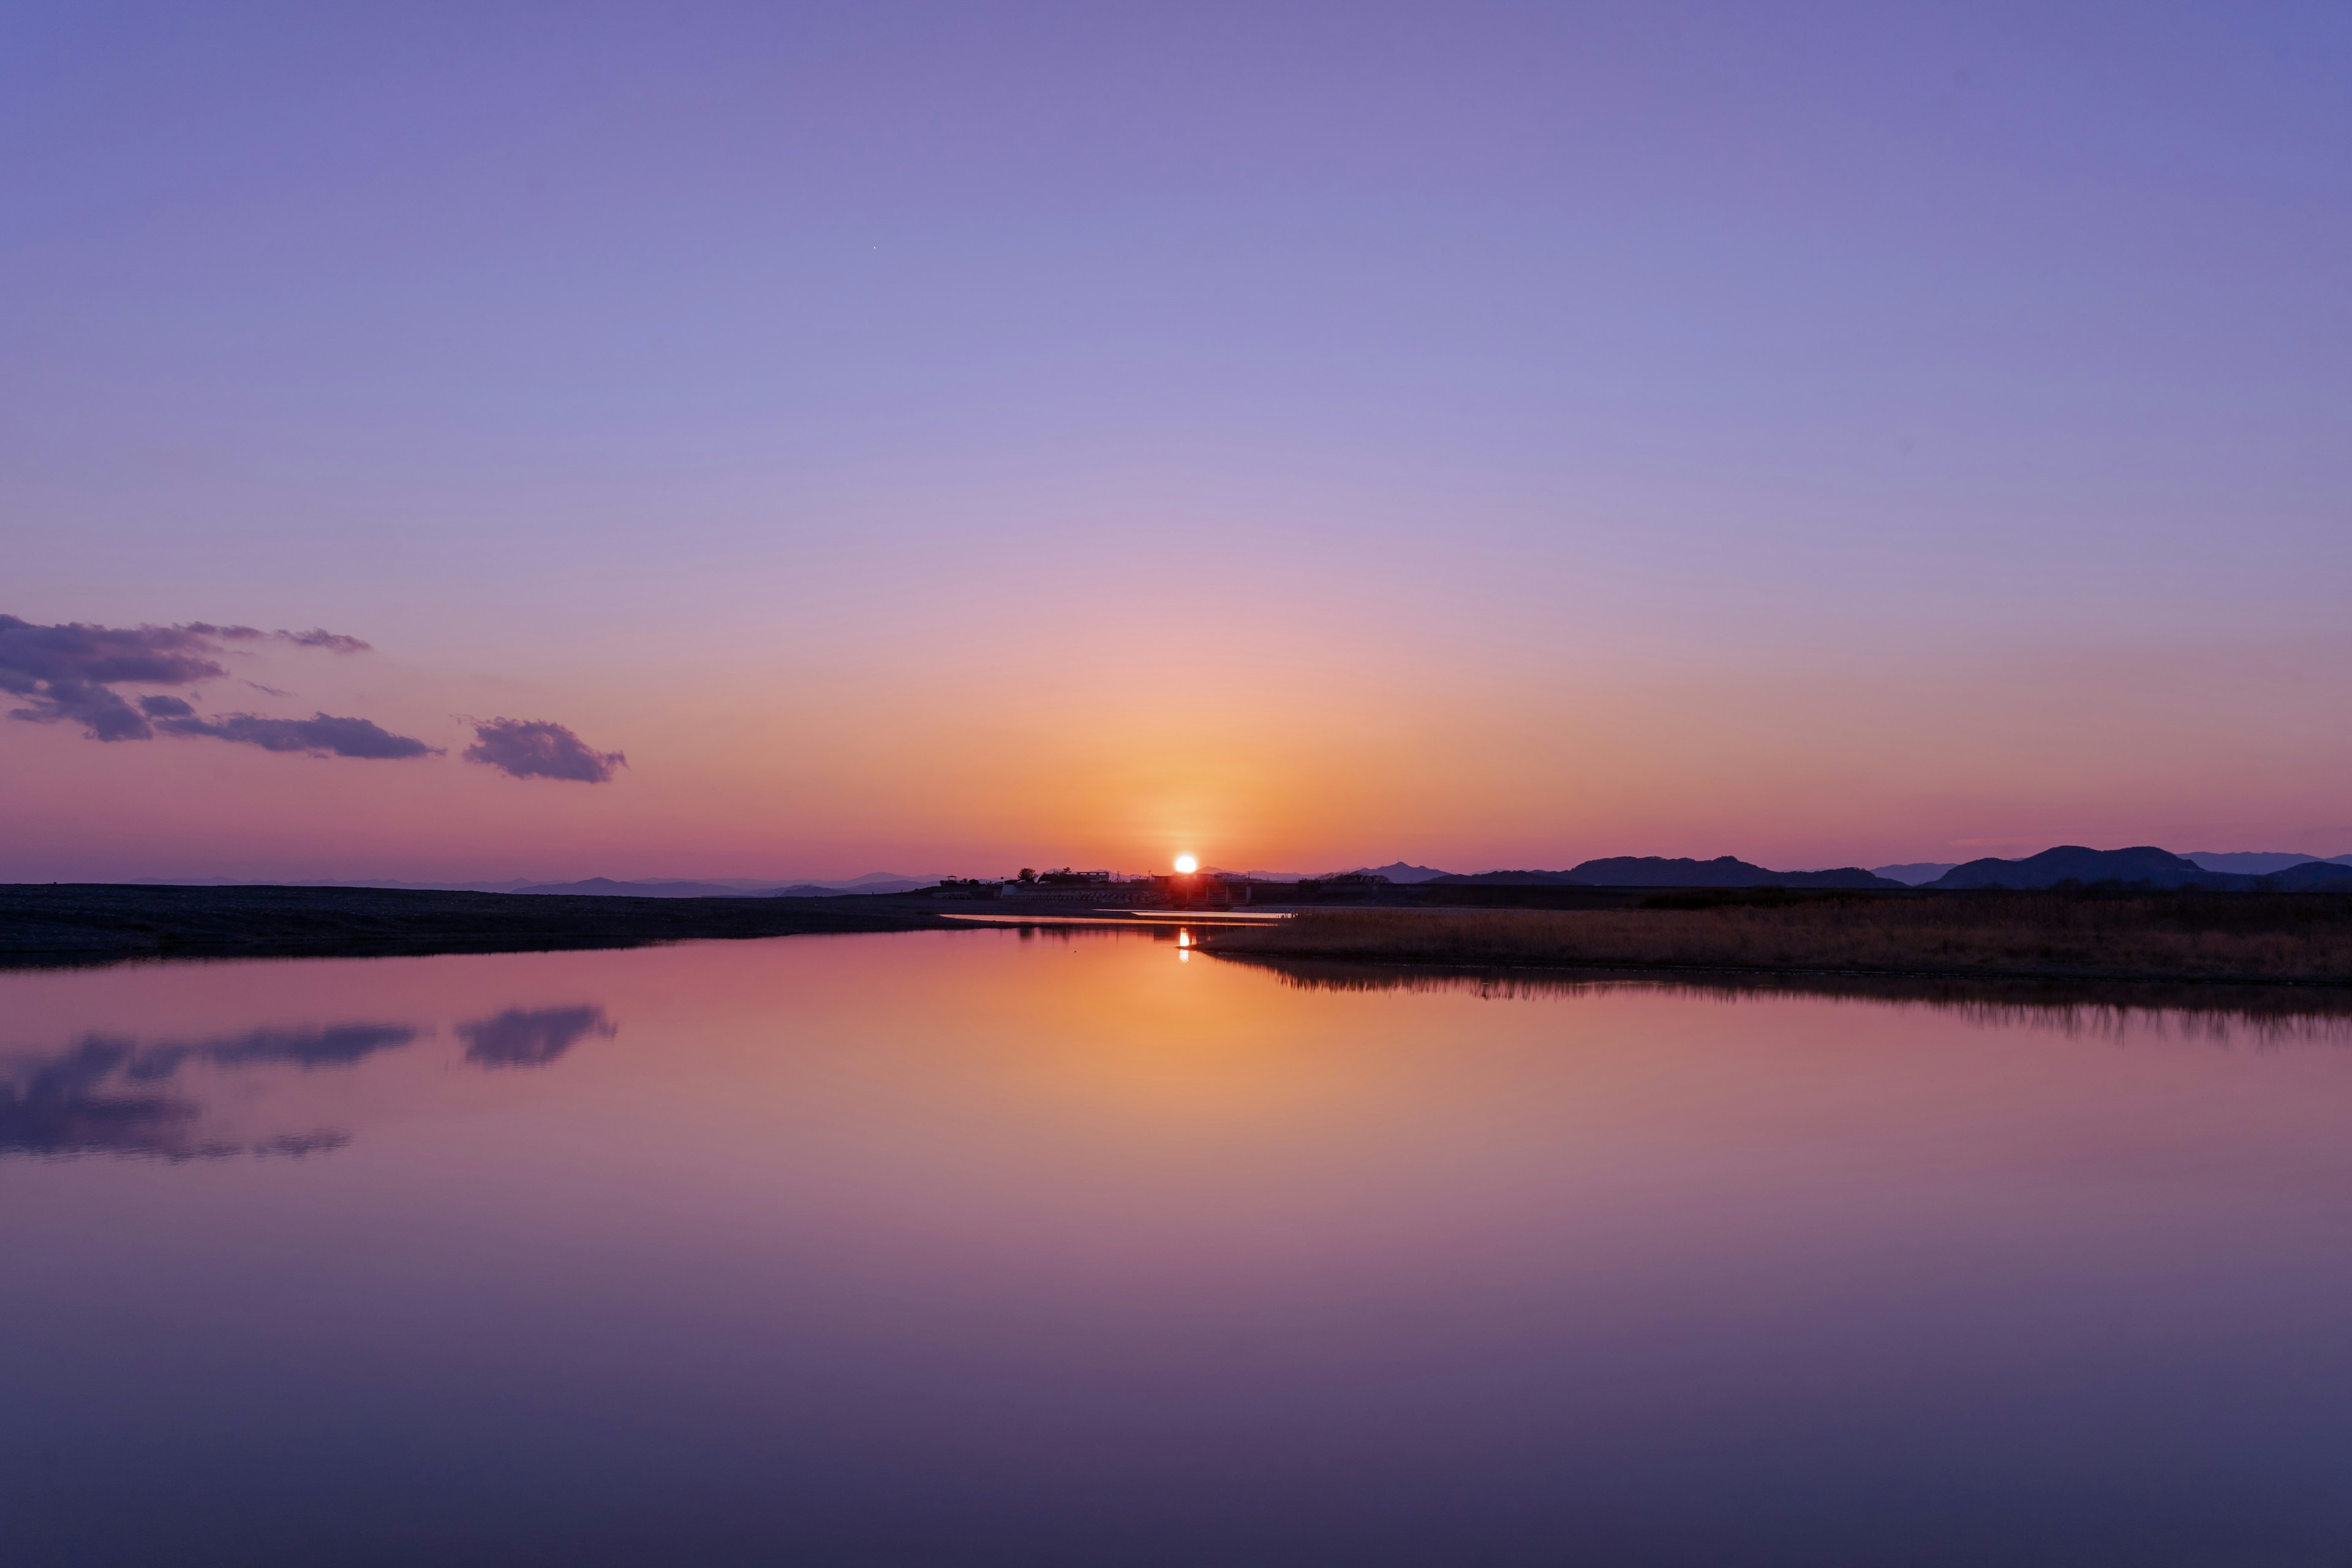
<point>2183,936</point>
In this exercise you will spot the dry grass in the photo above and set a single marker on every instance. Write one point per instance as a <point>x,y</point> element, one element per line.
<point>2248,937</point>
<point>2263,1016</point>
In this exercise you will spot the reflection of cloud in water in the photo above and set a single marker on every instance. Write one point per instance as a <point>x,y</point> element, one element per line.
<point>55,1107</point>
<point>79,1102</point>
<point>2265,1015</point>
<point>335,1045</point>
<point>520,1037</point>
<point>104,1094</point>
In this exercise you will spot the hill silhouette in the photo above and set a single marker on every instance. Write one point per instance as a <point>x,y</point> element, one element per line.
<point>606,888</point>
<point>2142,864</point>
<point>2312,876</point>
<point>2260,863</point>
<point>1660,871</point>
<point>1914,873</point>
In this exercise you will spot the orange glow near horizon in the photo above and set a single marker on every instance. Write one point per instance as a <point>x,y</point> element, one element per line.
<point>978,765</point>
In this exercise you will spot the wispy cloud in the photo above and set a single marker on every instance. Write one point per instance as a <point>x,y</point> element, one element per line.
<point>536,749</point>
<point>319,637</point>
<point>320,735</point>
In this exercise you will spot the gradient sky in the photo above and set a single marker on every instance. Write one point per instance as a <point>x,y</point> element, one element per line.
<point>943,438</point>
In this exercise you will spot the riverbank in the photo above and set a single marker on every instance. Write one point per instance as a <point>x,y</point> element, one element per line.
<point>65,923</point>
<point>2243,938</point>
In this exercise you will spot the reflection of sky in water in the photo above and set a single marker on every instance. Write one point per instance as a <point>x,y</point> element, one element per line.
<point>980,1248</point>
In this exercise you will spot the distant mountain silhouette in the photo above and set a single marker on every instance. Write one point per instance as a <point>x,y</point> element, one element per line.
<point>875,884</point>
<point>734,887</point>
<point>512,884</point>
<point>1399,871</point>
<point>1912,873</point>
<point>2262,863</point>
<point>1523,879</point>
<point>605,887</point>
<point>2312,876</point>
<point>2073,862</point>
<point>594,887</point>
<point>1657,871</point>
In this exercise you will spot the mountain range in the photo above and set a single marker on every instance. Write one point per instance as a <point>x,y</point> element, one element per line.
<point>2258,863</point>
<point>1914,873</point>
<point>2145,865</point>
<point>598,886</point>
<point>1658,871</point>
<point>2233,870</point>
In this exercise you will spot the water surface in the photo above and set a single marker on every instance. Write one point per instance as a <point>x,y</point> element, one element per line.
<point>1070,1247</point>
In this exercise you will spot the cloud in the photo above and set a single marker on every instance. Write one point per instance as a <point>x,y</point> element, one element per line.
<point>534,748</point>
<point>69,673</point>
<point>519,1038</point>
<point>66,674</point>
<point>320,735</point>
<point>319,637</point>
<point>102,715</point>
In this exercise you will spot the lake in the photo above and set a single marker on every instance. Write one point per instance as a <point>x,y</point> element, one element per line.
<point>1071,1247</point>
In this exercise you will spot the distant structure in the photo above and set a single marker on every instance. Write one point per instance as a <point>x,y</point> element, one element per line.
<point>1195,890</point>
<point>1204,889</point>
<point>1094,889</point>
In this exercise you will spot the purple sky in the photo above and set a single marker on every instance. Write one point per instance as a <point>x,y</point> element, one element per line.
<point>1486,434</point>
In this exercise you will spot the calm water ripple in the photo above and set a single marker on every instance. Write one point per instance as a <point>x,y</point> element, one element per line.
<point>1029,1247</point>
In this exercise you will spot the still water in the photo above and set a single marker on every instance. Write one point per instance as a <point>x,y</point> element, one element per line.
<point>1072,1248</point>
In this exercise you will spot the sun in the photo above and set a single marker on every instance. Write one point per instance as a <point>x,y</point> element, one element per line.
<point>1186,865</point>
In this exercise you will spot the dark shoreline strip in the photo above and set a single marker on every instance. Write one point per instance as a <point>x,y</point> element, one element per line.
<point>1598,969</point>
<point>54,925</point>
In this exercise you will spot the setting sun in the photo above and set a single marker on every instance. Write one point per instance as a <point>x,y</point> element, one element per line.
<point>1186,865</point>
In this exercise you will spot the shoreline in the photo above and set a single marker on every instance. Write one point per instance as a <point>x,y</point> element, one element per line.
<point>73,925</point>
<point>1603,969</point>
<point>2162,939</point>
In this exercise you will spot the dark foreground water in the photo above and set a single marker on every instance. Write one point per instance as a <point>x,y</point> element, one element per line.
<point>979,1248</point>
